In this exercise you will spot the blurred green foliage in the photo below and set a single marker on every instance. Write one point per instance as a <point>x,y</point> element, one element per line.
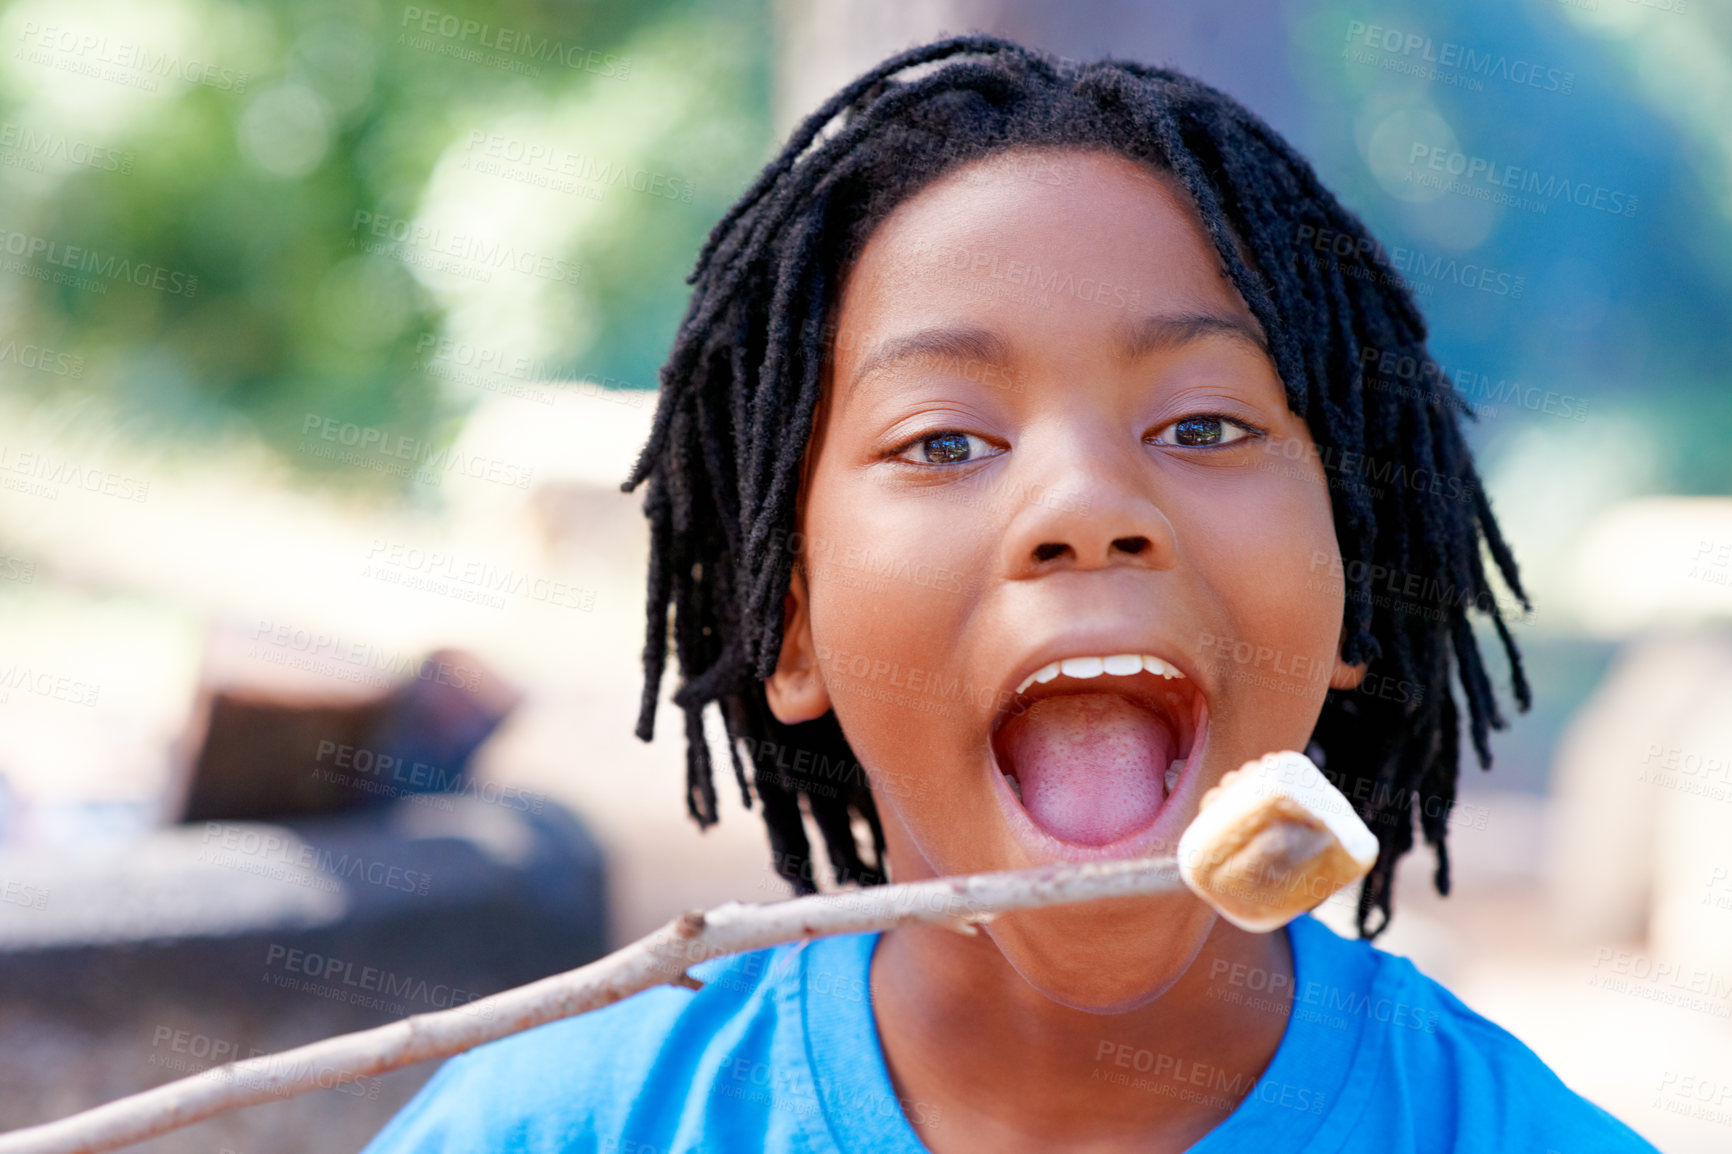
<point>232,156</point>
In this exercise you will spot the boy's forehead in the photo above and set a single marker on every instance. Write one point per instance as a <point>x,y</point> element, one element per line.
<point>1115,252</point>
<point>992,200</point>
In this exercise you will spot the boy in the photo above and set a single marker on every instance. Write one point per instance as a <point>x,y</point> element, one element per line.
<point>1017,460</point>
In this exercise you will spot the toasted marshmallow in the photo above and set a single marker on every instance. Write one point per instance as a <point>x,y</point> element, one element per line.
<point>1273,840</point>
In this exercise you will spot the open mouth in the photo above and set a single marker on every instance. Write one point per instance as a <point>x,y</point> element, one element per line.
<point>1094,747</point>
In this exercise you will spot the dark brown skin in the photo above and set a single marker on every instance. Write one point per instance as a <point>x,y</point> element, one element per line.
<point>1080,526</point>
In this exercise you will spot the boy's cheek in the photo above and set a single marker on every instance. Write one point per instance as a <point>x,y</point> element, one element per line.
<point>1270,643</point>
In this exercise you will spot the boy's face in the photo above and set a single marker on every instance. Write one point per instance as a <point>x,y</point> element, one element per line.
<point>1051,432</point>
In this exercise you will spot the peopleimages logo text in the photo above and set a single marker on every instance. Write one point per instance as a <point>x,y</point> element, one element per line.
<point>1478,169</point>
<point>88,260</point>
<point>1447,54</point>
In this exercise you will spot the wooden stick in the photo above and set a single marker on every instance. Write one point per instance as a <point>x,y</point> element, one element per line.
<point>960,903</point>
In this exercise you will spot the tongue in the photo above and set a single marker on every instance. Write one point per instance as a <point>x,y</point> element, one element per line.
<point>1091,766</point>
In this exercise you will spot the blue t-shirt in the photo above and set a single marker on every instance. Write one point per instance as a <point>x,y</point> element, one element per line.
<point>779,1052</point>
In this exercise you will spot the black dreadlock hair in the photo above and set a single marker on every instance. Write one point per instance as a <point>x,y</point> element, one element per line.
<point>741,385</point>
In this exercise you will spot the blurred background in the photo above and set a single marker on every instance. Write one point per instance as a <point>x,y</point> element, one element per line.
<point>327,332</point>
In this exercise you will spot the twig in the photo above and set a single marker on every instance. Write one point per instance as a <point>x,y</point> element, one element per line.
<point>960,903</point>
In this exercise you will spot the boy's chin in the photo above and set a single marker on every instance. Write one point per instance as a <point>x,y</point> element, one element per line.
<point>1107,957</point>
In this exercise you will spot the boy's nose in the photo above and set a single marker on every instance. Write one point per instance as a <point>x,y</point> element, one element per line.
<point>1091,519</point>
<point>1052,550</point>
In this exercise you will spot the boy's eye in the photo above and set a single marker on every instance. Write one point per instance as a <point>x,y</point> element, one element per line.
<point>947,448</point>
<point>1203,431</point>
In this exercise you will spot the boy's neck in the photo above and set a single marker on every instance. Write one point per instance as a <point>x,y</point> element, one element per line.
<point>1003,1067</point>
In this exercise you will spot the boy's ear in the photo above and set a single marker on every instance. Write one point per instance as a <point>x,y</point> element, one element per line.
<point>796,690</point>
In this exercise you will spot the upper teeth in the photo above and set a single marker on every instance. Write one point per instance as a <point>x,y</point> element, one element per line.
<point>1119,665</point>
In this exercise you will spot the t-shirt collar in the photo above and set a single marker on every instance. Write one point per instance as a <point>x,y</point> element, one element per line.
<point>1305,1085</point>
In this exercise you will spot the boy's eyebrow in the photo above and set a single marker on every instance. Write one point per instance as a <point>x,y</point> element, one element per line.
<point>965,343</point>
<point>984,346</point>
<point>1156,333</point>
